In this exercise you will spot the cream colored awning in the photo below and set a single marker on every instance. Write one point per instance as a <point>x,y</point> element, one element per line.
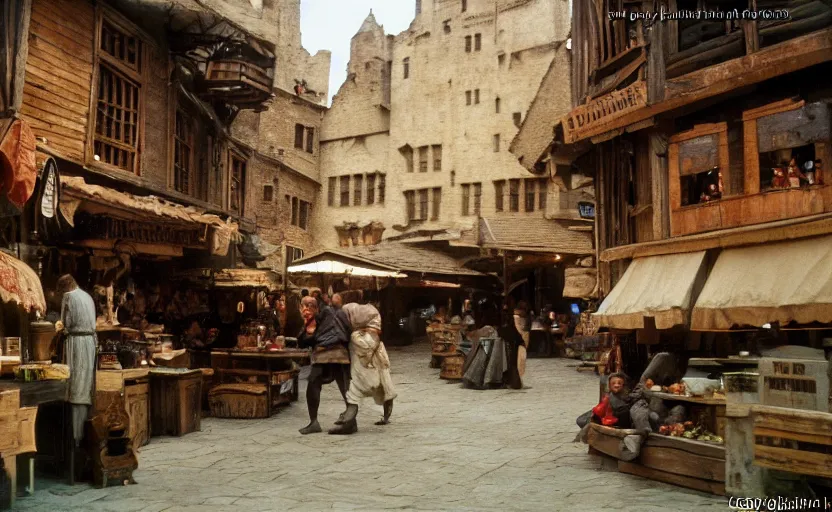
<point>661,287</point>
<point>337,267</point>
<point>782,282</point>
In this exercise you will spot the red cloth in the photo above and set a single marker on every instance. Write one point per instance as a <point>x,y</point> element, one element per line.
<point>603,411</point>
<point>17,163</point>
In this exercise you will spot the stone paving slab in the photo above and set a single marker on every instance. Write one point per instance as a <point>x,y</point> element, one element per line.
<point>448,448</point>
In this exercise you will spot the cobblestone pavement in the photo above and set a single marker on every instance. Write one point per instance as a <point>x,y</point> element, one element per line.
<point>448,448</point>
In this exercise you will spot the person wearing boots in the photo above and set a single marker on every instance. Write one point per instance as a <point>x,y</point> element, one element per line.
<point>326,332</point>
<point>370,368</point>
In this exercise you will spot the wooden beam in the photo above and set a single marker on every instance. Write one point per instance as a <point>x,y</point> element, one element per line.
<point>140,248</point>
<point>21,55</point>
<point>792,229</point>
<point>780,59</point>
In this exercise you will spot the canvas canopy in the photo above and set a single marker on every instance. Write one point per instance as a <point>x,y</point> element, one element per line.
<point>662,287</point>
<point>781,282</point>
<point>337,267</point>
<point>20,284</point>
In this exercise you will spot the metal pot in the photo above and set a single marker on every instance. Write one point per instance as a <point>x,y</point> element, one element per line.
<point>42,341</point>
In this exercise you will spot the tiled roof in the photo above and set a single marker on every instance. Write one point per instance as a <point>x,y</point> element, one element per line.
<point>533,234</point>
<point>410,258</point>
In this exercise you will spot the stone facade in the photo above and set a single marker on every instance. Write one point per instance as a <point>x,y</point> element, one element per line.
<point>434,110</point>
<point>283,177</point>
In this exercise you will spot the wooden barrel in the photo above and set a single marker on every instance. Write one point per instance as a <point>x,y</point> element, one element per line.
<point>452,367</point>
<point>42,341</point>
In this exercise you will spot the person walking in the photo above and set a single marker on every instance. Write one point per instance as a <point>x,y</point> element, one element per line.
<point>370,368</point>
<point>326,331</point>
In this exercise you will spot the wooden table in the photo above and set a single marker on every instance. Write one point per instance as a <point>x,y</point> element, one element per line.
<point>221,360</point>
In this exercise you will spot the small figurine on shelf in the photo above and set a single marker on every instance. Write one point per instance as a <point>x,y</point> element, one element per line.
<point>780,180</point>
<point>795,175</point>
<point>819,171</point>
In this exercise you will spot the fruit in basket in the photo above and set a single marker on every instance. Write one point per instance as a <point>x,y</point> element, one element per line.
<point>664,430</point>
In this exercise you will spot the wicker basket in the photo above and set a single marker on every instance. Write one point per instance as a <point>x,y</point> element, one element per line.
<point>245,401</point>
<point>452,367</point>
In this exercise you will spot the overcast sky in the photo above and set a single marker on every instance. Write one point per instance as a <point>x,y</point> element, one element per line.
<point>330,24</point>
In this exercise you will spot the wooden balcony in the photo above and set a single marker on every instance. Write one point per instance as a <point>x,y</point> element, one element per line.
<point>236,82</point>
<point>745,210</point>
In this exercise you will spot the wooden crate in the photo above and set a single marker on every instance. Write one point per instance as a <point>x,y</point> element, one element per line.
<point>239,400</point>
<point>176,402</point>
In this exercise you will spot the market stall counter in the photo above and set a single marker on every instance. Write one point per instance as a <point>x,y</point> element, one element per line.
<point>275,372</point>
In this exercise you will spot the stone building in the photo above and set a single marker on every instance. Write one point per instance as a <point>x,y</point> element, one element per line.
<point>417,139</point>
<point>284,139</point>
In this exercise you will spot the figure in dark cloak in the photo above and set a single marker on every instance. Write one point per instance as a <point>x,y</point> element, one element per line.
<point>327,332</point>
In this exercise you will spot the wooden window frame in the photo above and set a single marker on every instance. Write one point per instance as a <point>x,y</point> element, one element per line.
<point>330,193</point>
<point>406,68</point>
<point>382,188</point>
<point>294,211</point>
<point>344,196</point>
<point>436,153</point>
<point>466,199</point>
<point>371,189</point>
<point>410,205</point>
<point>304,213</point>
<point>436,203</point>
<point>293,254</point>
<point>674,166</point>
<point>357,189</point>
<point>514,195</point>
<point>423,163</point>
<point>543,193</point>
<point>530,194</point>
<point>268,193</point>
<point>186,139</point>
<point>468,97</point>
<point>310,139</point>
<point>423,203</point>
<point>232,157</point>
<point>500,195</point>
<point>751,205</point>
<point>477,198</point>
<point>300,133</point>
<point>476,96</point>
<point>137,75</point>
<point>468,44</point>
<point>477,42</point>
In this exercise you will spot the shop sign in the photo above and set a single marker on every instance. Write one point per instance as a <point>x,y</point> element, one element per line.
<point>586,120</point>
<point>49,192</point>
<point>586,210</point>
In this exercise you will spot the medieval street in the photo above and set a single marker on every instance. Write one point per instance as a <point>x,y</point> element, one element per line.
<point>447,448</point>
